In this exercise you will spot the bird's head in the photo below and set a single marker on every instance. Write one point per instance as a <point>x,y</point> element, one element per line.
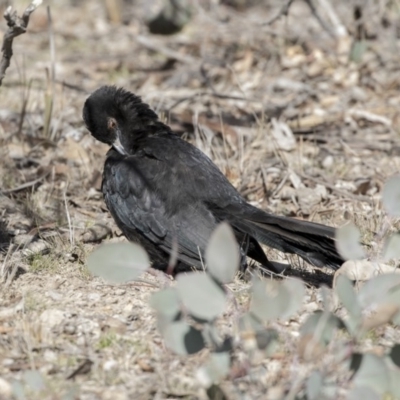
<point>116,117</point>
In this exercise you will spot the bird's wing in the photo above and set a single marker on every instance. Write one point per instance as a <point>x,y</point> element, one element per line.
<point>189,170</point>
<point>138,204</point>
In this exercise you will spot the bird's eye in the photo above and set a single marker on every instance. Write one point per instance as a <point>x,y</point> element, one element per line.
<point>112,124</point>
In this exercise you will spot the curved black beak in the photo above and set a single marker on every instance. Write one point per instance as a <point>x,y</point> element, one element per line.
<point>117,143</point>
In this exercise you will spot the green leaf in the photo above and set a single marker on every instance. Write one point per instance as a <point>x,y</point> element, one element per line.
<point>216,369</point>
<point>34,380</point>
<point>166,302</point>
<point>182,338</point>
<point>391,196</point>
<point>314,386</point>
<point>364,393</point>
<point>200,295</point>
<point>348,242</point>
<point>18,390</point>
<point>118,262</point>
<point>297,291</point>
<point>375,290</point>
<point>358,50</point>
<point>322,325</point>
<point>348,297</point>
<point>219,365</point>
<point>392,248</point>
<point>222,254</point>
<point>373,373</point>
<point>270,300</point>
<point>254,333</point>
<point>249,323</point>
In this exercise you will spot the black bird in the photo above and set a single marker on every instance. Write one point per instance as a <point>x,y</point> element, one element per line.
<point>162,190</point>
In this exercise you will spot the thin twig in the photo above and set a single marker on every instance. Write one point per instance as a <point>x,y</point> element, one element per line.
<point>24,185</point>
<point>282,12</point>
<point>337,190</point>
<point>16,26</point>
<point>160,48</point>
<point>319,18</point>
<point>339,29</point>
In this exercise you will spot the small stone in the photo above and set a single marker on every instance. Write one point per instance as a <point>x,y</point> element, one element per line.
<point>37,247</point>
<point>94,296</point>
<point>5,389</point>
<point>50,356</point>
<point>109,365</point>
<point>327,162</point>
<point>69,329</point>
<point>54,295</point>
<point>23,240</point>
<point>52,318</point>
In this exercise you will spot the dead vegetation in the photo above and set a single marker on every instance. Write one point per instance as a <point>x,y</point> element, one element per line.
<point>300,111</point>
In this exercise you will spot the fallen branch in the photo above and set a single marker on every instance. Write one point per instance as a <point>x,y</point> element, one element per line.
<point>16,26</point>
<point>284,11</point>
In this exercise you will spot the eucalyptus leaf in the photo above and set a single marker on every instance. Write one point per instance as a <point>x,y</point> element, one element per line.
<point>376,289</point>
<point>297,291</point>
<point>348,297</point>
<point>71,394</point>
<point>166,302</point>
<point>118,262</point>
<point>314,385</point>
<point>393,299</point>
<point>249,323</point>
<point>254,333</point>
<point>182,338</point>
<point>219,365</point>
<point>270,300</point>
<point>34,380</point>
<point>391,196</point>
<point>373,373</point>
<point>348,242</point>
<point>322,325</point>
<point>358,50</point>
<point>200,295</point>
<point>364,393</point>
<point>211,335</point>
<point>18,390</point>
<point>222,254</point>
<point>391,248</point>
<point>216,369</point>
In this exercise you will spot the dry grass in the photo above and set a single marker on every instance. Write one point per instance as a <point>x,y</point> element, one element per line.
<point>219,83</point>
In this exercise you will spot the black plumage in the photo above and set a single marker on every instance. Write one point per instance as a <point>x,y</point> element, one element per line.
<point>162,190</point>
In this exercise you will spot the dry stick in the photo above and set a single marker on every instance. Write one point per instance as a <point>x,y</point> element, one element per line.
<point>283,11</point>
<point>16,26</point>
<point>344,193</point>
<point>160,48</point>
<point>318,17</point>
<point>339,28</point>
<point>24,185</point>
